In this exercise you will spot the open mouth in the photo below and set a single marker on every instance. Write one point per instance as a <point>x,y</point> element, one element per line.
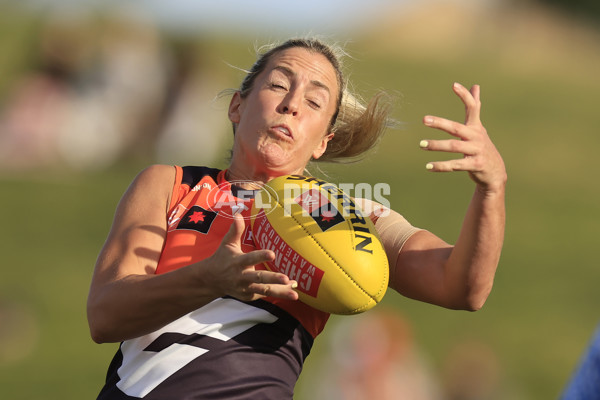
<point>284,130</point>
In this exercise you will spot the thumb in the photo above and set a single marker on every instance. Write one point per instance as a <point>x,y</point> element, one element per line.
<point>234,235</point>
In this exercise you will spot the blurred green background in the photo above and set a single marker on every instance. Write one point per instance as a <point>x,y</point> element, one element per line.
<point>538,68</point>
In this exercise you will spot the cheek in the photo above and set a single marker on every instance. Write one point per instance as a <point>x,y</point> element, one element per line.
<point>319,129</point>
<point>254,104</point>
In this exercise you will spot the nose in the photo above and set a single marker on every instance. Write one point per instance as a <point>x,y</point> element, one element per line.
<point>290,104</point>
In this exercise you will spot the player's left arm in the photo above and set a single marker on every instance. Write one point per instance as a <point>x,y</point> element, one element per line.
<point>459,276</point>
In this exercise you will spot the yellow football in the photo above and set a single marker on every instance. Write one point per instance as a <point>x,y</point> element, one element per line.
<point>322,240</point>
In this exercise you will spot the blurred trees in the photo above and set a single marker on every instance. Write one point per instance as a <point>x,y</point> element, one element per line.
<point>589,9</point>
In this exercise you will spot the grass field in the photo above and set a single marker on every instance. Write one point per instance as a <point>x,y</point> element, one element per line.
<point>544,306</point>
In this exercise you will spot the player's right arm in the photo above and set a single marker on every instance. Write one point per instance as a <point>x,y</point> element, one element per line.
<point>127,299</point>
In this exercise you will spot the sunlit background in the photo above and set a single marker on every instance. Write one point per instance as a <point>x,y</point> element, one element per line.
<point>93,91</point>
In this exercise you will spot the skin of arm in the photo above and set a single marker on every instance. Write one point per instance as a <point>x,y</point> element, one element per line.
<point>127,299</point>
<point>459,276</point>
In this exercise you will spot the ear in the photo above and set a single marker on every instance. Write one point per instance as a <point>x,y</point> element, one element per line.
<point>322,146</point>
<point>234,112</point>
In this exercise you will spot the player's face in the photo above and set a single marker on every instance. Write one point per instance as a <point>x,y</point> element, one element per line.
<point>285,119</point>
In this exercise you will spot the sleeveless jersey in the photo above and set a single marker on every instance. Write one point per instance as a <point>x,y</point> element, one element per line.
<point>227,349</point>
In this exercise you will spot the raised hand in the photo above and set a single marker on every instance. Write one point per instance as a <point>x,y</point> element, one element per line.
<point>480,158</point>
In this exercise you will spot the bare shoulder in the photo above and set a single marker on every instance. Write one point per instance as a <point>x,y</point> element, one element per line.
<point>154,183</point>
<point>158,175</point>
<point>140,219</point>
<point>146,200</point>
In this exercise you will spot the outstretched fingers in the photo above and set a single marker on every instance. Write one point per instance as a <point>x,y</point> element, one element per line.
<point>472,101</point>
<point>479,155</point>
<point>467,148</point>
<point>463,164</point>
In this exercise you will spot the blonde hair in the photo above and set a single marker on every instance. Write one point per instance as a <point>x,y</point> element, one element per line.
<point>357,127</point>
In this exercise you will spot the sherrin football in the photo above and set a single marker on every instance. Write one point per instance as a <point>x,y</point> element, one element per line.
<point>322,240</point>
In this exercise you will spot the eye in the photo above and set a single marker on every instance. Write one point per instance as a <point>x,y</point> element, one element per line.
<point>314,104</point>
<point>278,86</point>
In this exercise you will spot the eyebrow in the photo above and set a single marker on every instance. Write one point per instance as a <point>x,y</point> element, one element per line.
<point>287,71</point>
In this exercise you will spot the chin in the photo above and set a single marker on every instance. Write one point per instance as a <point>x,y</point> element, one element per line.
<point>274,157</point>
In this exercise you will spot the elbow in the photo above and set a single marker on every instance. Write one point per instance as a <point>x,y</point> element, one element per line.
<point>100,334</point>
<point>474,305</point>
<point>475,301</point>
<point>470,298</point>
<point>98,323</point>
<point>97,334</point>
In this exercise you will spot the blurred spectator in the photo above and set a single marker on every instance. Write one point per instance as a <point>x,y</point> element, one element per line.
<point>37,108</point>
<point>193,130</point>
<point>118,114</point>
<point>472,372</point>
<point>374,356</point>
<point>95,97</point>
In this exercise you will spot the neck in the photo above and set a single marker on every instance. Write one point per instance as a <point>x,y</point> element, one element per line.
<point>240,172</point>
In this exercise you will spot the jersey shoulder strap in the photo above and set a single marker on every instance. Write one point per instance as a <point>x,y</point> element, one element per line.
<point>186,178</point>
<point>192,175</point>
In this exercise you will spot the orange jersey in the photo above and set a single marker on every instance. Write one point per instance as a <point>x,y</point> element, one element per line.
<point>200,214</point>
<point>227,349</point>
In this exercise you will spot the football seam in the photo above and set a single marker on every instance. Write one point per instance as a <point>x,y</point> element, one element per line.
<point>336,264</point>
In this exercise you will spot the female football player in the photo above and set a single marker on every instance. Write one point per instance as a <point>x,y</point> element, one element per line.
<point>182,286</point>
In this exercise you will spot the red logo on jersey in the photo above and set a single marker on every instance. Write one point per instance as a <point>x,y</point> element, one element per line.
<point>287,260</point>
<point>197,216</point>
<point>197,219</point>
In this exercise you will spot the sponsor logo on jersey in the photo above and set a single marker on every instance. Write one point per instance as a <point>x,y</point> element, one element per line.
<point>287,260</point>
<point>197,219</point>
<point>204,185</point>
